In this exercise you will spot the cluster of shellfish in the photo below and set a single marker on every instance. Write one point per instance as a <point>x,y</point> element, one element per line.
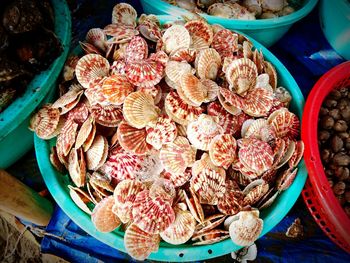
<point>176,132</point>
<point>239,9</point>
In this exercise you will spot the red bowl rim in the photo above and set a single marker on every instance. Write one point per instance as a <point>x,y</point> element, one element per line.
<point>317,176</point>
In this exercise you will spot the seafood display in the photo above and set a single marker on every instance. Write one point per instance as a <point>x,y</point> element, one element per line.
<point>27,45</point>
<point>240,9</point>
<point>177,132</point>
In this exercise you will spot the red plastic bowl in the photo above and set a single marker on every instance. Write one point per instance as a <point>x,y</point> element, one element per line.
<point>317,193</point>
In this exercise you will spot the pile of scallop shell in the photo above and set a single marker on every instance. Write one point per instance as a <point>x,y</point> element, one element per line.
<point>176,132</point>
<point>240,9</point>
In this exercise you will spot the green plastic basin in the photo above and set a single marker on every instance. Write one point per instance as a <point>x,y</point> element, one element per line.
<point>335,24</point>
<point>57,185</point>
<point>15,137</point>
<point>266,31</point>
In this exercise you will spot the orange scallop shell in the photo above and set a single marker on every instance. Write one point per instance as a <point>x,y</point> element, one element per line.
<point>102,216</point>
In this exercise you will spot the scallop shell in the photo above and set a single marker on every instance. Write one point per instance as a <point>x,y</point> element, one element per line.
<point>225,42</point>
<point>178,179</point>
<point>69,67</point>
<point>140,244</point>
<point>285,180</point>
<point>136,50</point>
<point>174,71</point>
<point>97,37</point>
<point>209,183</point>
<point>80,198</point>
<point>231,202</point>
<point>139,109</point>
<point>227,121</point>
<point>271,71</point>
<point>209,223</point>
<point>177,155</point>
<point>118,67</point>
<point>194,205</point>
<point>247,174</point>
<point>200,32</point>
<point>45,122</point>
<point>152,215</point>
<point>180,111</point>
<point>93,93</point>
<point>97,153</point>
<point>108,116</point>
<point>222,150</point>
<point>181,230</point>
<point>150,30</point>
<point>220,10</point>
<point>132,139</point>
<point>258,102</point>
<point>210,237</point>
<point>162,131</point>
<point>120,33</point>
<point>90,67</point>
<point>124,196</point>
<point>260,129</point>
<point>55,161</point>
<point>254,192</point>
<point>102,216</point>
<point>175,37</point>
<point>66,138</point>
<point>192,90</point>
<point>207,63</point>
<point>163,189</point>
<point>115,89</point>
<point>87,130</point>
<point>255,155</point>
<point>211,88</point>
<point>268,199</point>
<point>160,57</point>
<point>68,100</point>
<point>285,123</point>
<point>247,47</point>
<point>89,48</point>
<point>155,92</point>
<point>201,132</point>
<point>247,228</point>
<point>230,101</point>
<point>297,155</point>
<point>183,55</point>
<point>121,165</point>
<point>258,59</point>
<point>145,73</point>
<point>77,167</point>
<point>125,14</point>
<point>241,74</point>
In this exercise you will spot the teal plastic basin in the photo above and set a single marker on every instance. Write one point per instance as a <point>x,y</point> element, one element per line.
<point>57,185</point>
<point>15,137</point>
<point>266,31</point>
<point>335,24</point>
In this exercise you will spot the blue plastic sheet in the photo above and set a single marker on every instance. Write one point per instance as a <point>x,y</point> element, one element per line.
<point>307,55</point>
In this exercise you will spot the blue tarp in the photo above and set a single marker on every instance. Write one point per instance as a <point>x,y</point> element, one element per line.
<point>307,55</point>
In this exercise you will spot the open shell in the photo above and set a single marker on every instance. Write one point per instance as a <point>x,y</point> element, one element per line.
<point>90,67</point>
<point>202,131</point>
<point>97,37</point>
<point>102,216</point>
<point>222,150</point>
<point>297,155</point>
<point>207,63</point>
<point>79,113</point>
<point>254,192</point>
<point>176,156</point>
<point>139,109</point>
<point>241,74</point>
<point>181,230</point>
<point>132,139</point>
<point>45,123</point>
<point>194,205</point>
<point>125,14</point>
<point>140,244</point>
<point>68,100</point>
<point>175,37</point>
<point>108,116</point>
<point>183,55</point>
<point>231,102</point>
<point>192,90</point>
<point>161,132</point>
<point>152,215</point>
<point>180,111</point>
<point>178,179</point>
<point>124,196</point>
<point>174,71</point>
